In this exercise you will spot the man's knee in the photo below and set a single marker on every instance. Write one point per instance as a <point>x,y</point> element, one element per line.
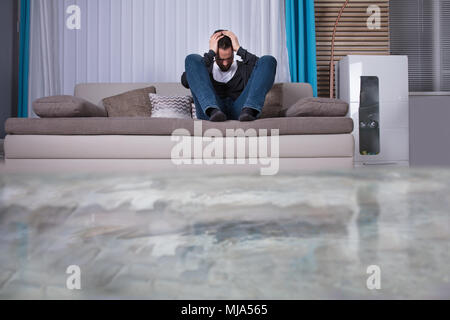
<point>269,60</point>
<point>193,58</point>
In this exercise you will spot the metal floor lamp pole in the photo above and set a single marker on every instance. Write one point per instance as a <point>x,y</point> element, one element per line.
<point>332,50</point>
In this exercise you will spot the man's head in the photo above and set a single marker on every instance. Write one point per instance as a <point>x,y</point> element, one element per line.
<point>225,53</point>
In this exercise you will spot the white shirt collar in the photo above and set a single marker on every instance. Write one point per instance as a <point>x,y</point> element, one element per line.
<point>224,76</point>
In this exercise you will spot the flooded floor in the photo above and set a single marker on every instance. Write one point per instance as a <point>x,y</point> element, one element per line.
<point>311,235</point>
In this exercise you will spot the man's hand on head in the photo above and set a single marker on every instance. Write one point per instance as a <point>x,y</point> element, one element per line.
<point>234,40</point>
<point>214,41</point>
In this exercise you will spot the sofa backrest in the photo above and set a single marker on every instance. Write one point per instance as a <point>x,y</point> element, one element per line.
<point>96,92</point>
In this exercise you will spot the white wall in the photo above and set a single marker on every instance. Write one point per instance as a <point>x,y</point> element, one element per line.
<point>429,126</point>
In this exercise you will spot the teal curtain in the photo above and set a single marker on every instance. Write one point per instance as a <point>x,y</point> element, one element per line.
<point>24,52</point>
<point>301,41</point>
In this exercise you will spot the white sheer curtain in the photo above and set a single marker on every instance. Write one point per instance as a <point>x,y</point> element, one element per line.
<point>143,40</point>
<point>45,69</point>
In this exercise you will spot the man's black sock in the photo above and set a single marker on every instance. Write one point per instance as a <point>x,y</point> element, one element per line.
<point>248,114</point>
<point>216,115</point>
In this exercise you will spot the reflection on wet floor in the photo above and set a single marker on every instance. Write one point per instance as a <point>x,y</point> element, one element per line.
<point>367,222</point>
<point>305,235</point>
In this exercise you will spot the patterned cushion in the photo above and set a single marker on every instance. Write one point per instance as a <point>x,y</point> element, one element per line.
<point>171,107</point>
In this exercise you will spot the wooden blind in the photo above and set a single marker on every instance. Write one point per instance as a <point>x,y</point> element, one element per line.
<point>352,35</point>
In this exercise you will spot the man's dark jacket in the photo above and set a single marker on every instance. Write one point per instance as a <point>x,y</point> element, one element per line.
<point>237,84</point>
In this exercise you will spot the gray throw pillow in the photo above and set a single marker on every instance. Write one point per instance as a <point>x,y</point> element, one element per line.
<point>171,107</point>
<point>273,103</point>
<point>318,107</point>
<point>134,103</point>
<point>66,107</point>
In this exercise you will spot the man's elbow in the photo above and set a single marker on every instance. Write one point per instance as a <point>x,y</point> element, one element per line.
<point>184,81</point>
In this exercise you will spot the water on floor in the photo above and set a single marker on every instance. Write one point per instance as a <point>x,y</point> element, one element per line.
<point>303,235</point>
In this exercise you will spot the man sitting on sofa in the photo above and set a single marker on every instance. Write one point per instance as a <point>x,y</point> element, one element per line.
<point>224,88</point>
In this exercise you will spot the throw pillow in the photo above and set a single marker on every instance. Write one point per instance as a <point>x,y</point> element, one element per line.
<point>318,107</point>
<point>66,107</point>
<point>171,107</point>
<point>273,103</point>
<point>134,103</point>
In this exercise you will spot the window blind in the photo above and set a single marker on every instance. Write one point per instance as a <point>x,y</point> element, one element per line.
<point>420,29</point>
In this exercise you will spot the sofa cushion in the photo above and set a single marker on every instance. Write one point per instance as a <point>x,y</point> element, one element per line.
<point>64,106</point>
<point>134,103</point>
<point>318,107</point>
<point>166,126</point>
<point>171,106</point>
<point>104,147</point>
<point>273,103</point>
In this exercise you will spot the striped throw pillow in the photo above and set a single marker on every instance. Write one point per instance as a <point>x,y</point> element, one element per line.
<point>171,107</point>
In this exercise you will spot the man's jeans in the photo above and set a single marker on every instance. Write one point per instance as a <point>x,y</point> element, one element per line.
<point>253,96</point>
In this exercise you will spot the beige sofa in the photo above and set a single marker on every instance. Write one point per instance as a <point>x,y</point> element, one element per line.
<point>147,143</point>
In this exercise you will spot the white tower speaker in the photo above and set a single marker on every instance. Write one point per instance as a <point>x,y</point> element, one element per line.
<point>376,88</point>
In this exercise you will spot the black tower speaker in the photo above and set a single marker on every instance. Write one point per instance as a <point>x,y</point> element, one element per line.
<point>369,116</point>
